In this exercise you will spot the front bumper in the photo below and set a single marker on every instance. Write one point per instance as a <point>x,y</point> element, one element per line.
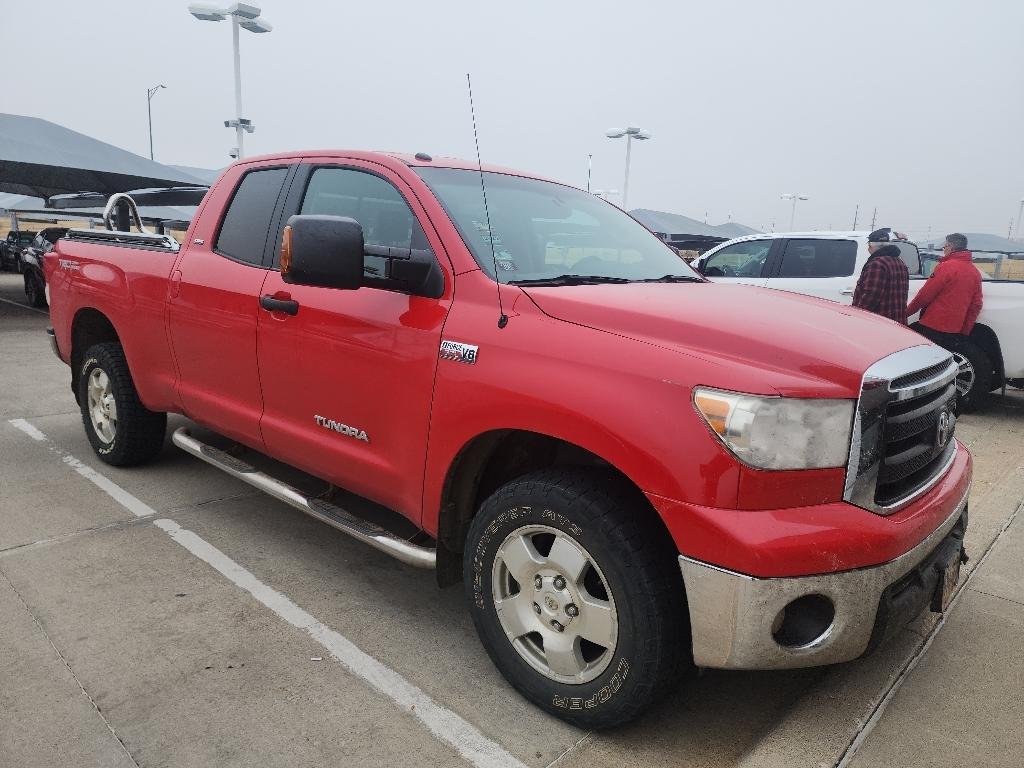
<point>732,614</point>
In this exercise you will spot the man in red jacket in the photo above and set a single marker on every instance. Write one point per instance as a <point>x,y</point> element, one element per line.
<point>950,299</point>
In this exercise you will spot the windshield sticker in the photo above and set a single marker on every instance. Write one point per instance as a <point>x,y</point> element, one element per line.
<point>486,233</point>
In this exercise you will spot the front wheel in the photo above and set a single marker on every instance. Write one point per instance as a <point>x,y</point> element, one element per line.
<point>121,430</point>
<point>577,596</point>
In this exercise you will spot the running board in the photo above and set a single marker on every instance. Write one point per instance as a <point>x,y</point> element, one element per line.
<point>325,512</point>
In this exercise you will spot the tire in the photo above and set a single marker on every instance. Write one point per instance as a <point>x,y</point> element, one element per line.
<point>619,575</point>
<point>34,291</point>
<point>121,430</point>
<point>974,381</point>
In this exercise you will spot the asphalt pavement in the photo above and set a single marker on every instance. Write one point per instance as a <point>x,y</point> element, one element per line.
<point>170,615</point>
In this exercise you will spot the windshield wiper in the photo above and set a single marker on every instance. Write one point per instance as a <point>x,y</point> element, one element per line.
<point>673,279</point>
<point>569,280</point>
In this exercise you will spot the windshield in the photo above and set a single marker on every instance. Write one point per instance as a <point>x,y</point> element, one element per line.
<point>542,231</point>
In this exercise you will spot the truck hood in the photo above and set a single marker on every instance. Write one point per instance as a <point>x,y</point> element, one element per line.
<point>788,343</point>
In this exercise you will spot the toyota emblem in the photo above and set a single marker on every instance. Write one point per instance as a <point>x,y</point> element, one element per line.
<point>945,431</point>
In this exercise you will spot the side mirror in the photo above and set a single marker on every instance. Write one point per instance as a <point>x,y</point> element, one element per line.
<point>323,251</point>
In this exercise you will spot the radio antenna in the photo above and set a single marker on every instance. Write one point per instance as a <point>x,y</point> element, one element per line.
<point>502,317</point>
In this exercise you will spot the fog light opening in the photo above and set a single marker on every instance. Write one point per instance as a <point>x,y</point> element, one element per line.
<point>803,621</point>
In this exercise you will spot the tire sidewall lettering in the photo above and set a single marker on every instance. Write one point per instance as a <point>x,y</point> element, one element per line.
<point>504,523</point>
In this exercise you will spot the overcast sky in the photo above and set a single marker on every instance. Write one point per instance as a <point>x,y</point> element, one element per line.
<point>913,106</point>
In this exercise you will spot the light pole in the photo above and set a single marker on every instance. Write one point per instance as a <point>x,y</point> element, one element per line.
<point>632,132</point>
<point>1020,211</point>
<point>590,166</point>
<point>794,197</point>
<point>150,92</point>
<point>247,17</point>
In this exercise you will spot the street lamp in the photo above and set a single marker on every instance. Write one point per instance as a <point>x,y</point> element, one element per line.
<point>150,92</point>
<point>247,17</point>
<point>632,132</point>
<point>794,197</point>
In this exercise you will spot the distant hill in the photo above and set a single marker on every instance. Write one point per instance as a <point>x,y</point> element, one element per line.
<point>979,241</point>
<point>665,223</point>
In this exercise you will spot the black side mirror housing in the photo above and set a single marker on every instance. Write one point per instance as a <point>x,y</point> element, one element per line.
<point>323,251</point>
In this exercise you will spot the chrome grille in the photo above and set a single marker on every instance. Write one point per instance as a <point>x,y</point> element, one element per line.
<point>903,432</point>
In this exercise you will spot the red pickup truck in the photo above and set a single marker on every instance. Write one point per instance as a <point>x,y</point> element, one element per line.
<point>631,470</point>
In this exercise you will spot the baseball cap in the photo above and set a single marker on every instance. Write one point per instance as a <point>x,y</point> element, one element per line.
<point>883,235</point>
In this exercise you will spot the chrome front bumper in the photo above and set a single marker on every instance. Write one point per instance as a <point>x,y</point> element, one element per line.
<point>731,614</point>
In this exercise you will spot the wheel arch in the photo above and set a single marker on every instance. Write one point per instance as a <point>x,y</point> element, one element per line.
<point>491,459</point>
<point>89,327</point>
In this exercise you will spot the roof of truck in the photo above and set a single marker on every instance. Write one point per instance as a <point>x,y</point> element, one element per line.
<point>389,157</point>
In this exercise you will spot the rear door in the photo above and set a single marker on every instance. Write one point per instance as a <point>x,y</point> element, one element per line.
<point>744,263</point>
<point>822,267</point>
<point>348,379</point>
<point>214,302</point>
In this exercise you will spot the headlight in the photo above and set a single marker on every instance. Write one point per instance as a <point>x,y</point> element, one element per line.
<point>779,432</point>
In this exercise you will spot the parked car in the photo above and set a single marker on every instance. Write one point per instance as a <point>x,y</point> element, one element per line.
<point>827,265</point>
<point>630,469</point>
<point>32,264</point>
<point>12,246</point>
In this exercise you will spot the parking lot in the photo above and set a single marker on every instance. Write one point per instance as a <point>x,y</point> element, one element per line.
<point>173,616</point>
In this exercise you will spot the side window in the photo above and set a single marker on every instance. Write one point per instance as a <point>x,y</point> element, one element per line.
<point>911,257</point>
<point>381,211</point>
<point>243,233</point>
<point>744,259</point>
<point>818,258</point>
<point>385,217</point>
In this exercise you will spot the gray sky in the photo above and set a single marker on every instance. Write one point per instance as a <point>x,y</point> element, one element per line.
<point>913,106</point>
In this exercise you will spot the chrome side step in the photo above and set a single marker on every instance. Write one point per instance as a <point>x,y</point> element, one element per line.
<point>324,511</point>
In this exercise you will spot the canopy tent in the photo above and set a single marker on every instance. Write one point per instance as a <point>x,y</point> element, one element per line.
<point>41,159</point>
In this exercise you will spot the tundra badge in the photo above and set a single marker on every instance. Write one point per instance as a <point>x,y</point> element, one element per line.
<point>459,352</point>
<point>345,429</point>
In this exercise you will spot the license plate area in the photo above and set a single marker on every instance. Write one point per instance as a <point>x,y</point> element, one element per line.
<point>946,588</point>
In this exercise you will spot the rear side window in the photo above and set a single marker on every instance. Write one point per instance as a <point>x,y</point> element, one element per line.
<point>243,234</point>
<point>818,258</point>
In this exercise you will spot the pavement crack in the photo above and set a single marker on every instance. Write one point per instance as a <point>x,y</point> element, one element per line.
<point>998,597</point>
<point>578,742</point>
<point>67,666</point>
<point>52,540</point>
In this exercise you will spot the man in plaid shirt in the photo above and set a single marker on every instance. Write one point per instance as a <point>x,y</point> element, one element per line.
<point>883,283</point>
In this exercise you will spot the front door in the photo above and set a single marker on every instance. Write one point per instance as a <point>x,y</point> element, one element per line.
<point>214,302</point>
<point>348,379</point>
<point>743,263</point>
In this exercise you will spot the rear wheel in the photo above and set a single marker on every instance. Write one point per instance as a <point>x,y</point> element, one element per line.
<point>974,379</point>
<point>121,430</point>
<point>578,600</point>
<point>34,291</point>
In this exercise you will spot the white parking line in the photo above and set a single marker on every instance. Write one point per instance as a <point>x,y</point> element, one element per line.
<point>446,725</point>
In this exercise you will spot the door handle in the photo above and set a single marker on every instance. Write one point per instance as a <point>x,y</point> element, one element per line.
<point>846,292</point>
<point>271,304</point>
